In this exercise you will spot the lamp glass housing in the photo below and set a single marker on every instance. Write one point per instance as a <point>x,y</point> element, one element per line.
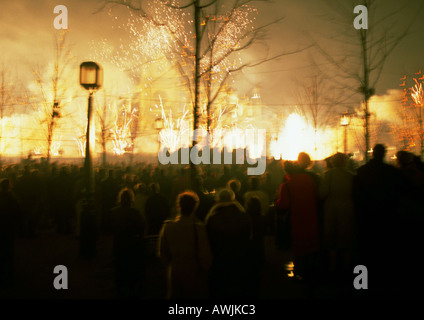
<point>159,124</point>
<point>91,75</point>
<point>344,120</point>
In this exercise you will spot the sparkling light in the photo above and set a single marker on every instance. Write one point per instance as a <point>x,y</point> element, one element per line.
<point>121,133</point>
<point>417,93</point>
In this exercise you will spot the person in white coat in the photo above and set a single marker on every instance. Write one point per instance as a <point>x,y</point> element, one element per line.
<point>184,248</point>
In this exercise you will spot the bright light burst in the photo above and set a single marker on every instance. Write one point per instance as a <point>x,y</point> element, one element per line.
<point>37,150</point>
<point>297,136</point>
<point>81,144</point>
<point>417,93</point>
<point>175,134</point>
<point>121,134</point>
<point>55,147</point>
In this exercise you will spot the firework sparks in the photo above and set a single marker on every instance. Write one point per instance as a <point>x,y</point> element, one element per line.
<point>37,150</point>
<point>175,133</point>
<point>55,148</point>
<point>417,93</point>
<point>81,144</point>
<point>121,133</point>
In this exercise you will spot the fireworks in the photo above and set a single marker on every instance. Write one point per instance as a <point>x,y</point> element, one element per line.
<point>121,134</point>
<point>81,144</point>
<point>150,48</point>
<point>175,133</point>
<point>158,54</point>
<point>37,150</point>
<point>55,148</point>
<point>417,93</point>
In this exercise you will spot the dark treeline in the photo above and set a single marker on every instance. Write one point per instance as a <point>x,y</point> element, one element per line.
<point>330,216</point>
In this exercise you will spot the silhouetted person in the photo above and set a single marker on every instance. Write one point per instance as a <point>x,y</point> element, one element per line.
<point>269,187</point>
<point>206,201</point>
<point>9,213</point>
<point>157,210</point>
<point>257,253</point>
<point>229,231</point>
<point>224,178</point>
<point>146,176</point>
<point>165,183</point>
<point>141,196</point>
<point>254,190</point>
<point>337,192</point>
<point>377,189</point>
<point>210,181</point>
<point>184,248</point>
<point>64,194</point>
<point>299,194</point>
<point>26,190</point>
<point>412,171</point>
<point>283,237</point>
<point>109,191</point>
<point>128,227</point>
<point>410,223</point>
<point>235,185</point>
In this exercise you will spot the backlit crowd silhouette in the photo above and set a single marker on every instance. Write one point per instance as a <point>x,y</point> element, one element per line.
<point>209,231</point>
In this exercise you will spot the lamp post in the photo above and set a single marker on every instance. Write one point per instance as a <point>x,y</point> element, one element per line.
<point>344,121</point>
<point>91,78</point>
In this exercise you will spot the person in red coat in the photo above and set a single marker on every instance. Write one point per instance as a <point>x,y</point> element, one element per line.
<point>299,194</point>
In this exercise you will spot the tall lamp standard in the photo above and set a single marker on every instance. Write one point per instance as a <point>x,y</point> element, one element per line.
<point>344,121</point>
<point>91,78</point>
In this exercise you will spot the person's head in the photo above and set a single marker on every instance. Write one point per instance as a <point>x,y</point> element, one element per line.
<point>154,188</point>
<point>187,203</point>
<point>303,160</point>
<point>5,185</point>
<point>253,205</point>
<point>339,160</point>
<point>404,158</point>
<point>254,182</point>
<point>225,195</point>
<point>379,152</point>
<point>126,197</point>
<point>289,167</point>
<point>234,185</point>
<point>329,162</point>
<point>141,188</point>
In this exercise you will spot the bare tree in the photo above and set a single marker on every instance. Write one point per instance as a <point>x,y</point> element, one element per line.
<point>207,35</point>
<point>206,44</point>
<point>52,90</point>
<point>363,52</point>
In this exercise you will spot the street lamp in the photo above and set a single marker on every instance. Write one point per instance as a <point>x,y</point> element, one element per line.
<point>91,75</point>
<point>91,78</point>
<point>344,121</point>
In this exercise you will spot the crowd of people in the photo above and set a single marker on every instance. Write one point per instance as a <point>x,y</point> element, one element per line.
<point>208,226</point>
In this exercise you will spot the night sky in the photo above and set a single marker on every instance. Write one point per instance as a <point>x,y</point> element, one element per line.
<point>26,29</point>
